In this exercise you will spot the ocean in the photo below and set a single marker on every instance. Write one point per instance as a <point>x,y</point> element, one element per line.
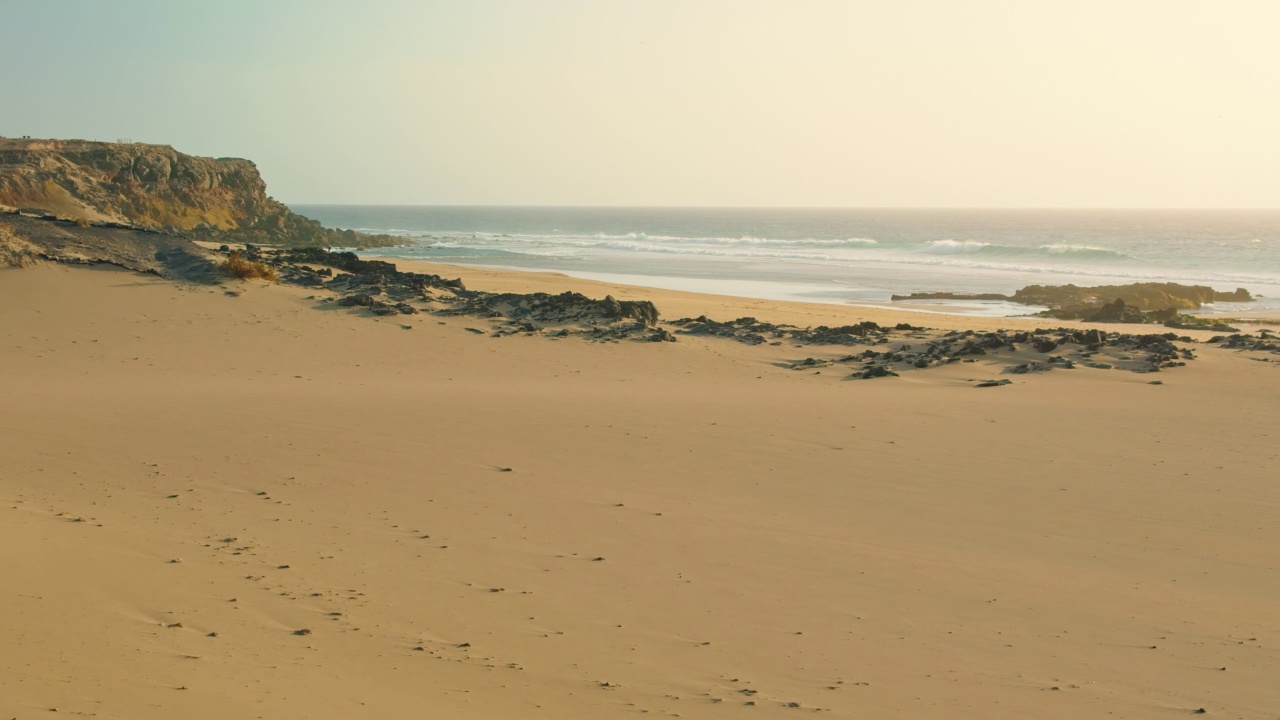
<point>844,256</point>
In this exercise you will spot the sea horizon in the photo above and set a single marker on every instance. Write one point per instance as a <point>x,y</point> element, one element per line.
<point>606,206</point>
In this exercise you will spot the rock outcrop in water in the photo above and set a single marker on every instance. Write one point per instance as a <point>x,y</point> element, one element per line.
<point>158,188</point>
<point>1136,303</point>
<point>1078,300</point>
<point>1141,296</point>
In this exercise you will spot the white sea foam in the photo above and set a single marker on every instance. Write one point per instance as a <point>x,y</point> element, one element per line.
<point>816,250</point>
<point>949,247</point>
<point>667,240</point>
<point>614,253</point>
<point>1080,250</point>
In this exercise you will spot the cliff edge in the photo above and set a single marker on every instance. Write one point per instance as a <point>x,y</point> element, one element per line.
<point>159,188</point>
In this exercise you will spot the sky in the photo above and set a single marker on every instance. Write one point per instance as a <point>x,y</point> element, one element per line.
<point>811,103</point>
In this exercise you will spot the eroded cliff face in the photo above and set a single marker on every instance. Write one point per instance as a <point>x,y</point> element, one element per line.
<point>154,186</point>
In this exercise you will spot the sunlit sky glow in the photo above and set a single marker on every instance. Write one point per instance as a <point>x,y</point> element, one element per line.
<point>977,103</point>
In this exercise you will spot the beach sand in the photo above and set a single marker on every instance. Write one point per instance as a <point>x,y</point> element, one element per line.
<point>217,506</point>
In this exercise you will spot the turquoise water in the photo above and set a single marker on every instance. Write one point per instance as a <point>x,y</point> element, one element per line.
<point>843,255</point>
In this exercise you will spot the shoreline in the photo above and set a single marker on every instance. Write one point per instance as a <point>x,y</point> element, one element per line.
<point>841,255</point>
<point>503,279</point>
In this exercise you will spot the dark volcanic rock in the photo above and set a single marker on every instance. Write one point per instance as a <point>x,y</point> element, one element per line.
<point>1191,322</point>
<point>1262,342</point>
<point>949,296</point>
<point>547,308</point>
<point>1140,296</point>
<point>745,329</point>
<point>1044,344</point>
<point>1030,367</point>
<point>874,371</point>
<point>753,332</point>
<point>1116,312</point>
<point>843,335</point>
<point>385,290</point>
<point>1138,353</point>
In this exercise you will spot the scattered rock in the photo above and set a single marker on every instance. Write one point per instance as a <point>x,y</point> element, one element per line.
<point>1029,367</point>
<point>874,371</point>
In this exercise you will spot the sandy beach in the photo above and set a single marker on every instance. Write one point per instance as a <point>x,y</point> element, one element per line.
<point>616,360</point>
<point>221,506</point>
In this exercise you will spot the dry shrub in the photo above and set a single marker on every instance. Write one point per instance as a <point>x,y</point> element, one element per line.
<point>82,222</point>
<point>238,266</point>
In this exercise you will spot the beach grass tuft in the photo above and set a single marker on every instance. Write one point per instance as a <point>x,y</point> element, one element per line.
<point>245,269</point>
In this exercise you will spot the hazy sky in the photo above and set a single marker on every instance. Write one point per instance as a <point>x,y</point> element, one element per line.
<point>982,103</point>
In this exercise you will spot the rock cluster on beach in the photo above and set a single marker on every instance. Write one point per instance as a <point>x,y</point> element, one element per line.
<point>1264,342</point>
<point>385,290</point>
<point>753,332</point>
<point>1020,353</point>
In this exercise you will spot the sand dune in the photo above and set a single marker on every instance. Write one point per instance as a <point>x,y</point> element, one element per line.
<point>191,480</point>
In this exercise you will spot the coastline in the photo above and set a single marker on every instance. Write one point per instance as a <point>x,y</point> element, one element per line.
<point>191,479</point>
<point>684,303</point>
<point>841,255</point>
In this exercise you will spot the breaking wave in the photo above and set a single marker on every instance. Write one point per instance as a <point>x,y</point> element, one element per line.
<point>955,247</point>
<point>813,249</point>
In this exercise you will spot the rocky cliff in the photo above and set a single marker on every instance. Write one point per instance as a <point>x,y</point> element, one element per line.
<point>156,187</point>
